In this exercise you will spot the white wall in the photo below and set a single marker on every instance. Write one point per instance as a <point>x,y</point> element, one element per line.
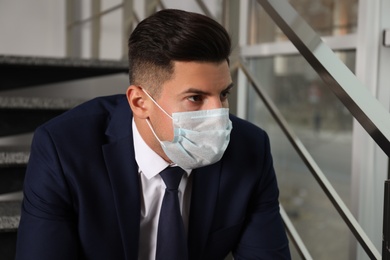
<point>37,28</point>
<point>32,27</point>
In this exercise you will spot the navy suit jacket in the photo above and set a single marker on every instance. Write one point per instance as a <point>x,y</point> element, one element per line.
<point>82,192</point>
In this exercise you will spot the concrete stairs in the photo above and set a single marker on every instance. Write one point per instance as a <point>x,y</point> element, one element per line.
<point>19,116</point>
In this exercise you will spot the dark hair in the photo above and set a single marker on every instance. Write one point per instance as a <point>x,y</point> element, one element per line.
<point>174,35</point>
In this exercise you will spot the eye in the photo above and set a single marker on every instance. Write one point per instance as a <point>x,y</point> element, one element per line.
<point>225,95</point>
<point>195,98</point>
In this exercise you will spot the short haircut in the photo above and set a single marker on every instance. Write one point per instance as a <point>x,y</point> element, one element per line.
<point>173,35</point>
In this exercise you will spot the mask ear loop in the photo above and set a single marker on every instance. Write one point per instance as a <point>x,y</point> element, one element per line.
<point>147,119</point>
<point>155,102</point>
<point>154,133</point>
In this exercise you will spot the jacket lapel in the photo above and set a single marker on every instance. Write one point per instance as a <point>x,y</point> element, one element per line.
<point>123,174</point>
<point>205,188</point>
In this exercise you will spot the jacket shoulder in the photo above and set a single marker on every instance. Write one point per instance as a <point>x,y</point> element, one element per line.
<point>244,128</point>
<point>87,113</point>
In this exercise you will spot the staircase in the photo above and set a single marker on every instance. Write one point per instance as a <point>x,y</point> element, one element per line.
<point>19,116</point>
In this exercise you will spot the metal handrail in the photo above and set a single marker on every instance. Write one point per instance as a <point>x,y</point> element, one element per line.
<point>95,16</point>
<point>364,107</point>
<point>310,163</point>
<point>386,224</point>
<point>205,9</point>
<point>296,239</point>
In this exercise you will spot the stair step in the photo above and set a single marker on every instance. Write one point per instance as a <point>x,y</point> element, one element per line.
<point>13,158</point>
<point>33,71</point>
<point>20,115</point>
<point>9,215</point>
<point>12,171</point>
<point>8,245</point>
<point>23,114</point>
<point>10,206</point>
<point>38,103</point>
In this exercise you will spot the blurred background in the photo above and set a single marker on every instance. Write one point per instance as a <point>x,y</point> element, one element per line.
<point>55,54</point>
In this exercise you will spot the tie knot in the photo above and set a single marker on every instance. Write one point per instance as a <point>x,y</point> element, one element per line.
<point>172,177</point>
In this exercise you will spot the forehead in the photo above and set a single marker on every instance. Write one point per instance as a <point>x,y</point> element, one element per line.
<point>207,76</point>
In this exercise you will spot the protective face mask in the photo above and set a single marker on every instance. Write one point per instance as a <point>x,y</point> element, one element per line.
<point>200,137</point>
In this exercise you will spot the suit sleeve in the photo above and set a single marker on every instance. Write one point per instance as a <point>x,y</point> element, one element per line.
<point>48,227</point>
<point>264,236</point>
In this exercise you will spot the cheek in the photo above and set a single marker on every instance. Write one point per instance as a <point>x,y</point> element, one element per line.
<point>225,104</point>
<point>168,129</point>
<point>164,127</point>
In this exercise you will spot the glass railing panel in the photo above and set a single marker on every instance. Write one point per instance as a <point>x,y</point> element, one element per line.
<point>310,211</point>
<point>325,128</point>
<point>327,18</point>
<point>316,115</point>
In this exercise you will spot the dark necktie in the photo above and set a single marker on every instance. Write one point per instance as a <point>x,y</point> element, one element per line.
<point>171,238</point>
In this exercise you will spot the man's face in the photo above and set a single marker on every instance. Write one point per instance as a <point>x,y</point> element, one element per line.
<point>194,86</point>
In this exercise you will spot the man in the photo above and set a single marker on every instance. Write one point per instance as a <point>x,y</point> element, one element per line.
<point>93,188</point>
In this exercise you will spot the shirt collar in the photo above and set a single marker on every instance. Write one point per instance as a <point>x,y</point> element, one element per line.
<point>144,155</point>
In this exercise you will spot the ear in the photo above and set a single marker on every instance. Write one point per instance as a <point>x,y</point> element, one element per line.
<point>136,98</point>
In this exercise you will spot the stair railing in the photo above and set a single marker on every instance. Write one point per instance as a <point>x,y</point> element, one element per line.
<point>365,108</point>
<point>129,17</point>
<point>310,163</point>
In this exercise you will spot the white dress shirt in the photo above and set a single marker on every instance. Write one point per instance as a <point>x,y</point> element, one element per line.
<point>150,164</point>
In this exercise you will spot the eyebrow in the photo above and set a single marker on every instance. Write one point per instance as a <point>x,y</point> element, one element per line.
<point>201,92</point>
